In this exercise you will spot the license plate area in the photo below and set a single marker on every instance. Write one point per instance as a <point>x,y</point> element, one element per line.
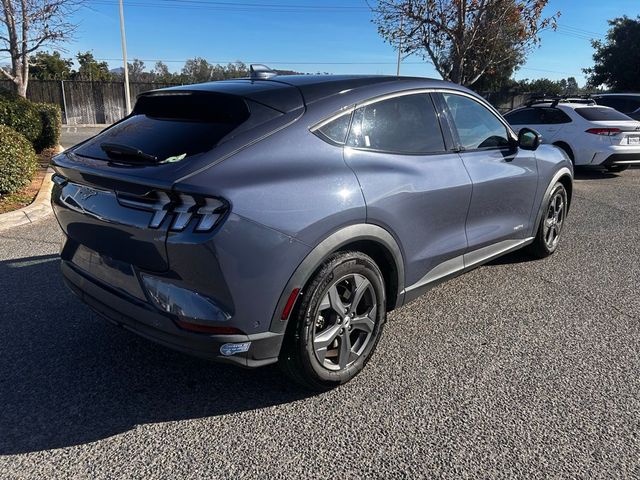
<point>633,140</point>
<point>114,273</point>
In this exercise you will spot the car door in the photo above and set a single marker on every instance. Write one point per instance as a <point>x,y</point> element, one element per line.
<point>414,184</point>
<point>553,123</point>
<point>504,177</point>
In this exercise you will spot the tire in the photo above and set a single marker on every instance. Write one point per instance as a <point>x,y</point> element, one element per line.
<point>616,168</point>
<point>323,348</point>
<point>551,223</point>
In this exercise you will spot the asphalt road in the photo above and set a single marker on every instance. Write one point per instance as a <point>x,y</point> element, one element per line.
<point>519,369</point>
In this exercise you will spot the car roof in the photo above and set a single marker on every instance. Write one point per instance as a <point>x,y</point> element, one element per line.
<point>596,95</point>
<point>288,92</point>
<point>568,105</point>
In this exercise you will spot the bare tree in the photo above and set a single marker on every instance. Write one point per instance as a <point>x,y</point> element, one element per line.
<point>464,38</point>
<point>28,25</point>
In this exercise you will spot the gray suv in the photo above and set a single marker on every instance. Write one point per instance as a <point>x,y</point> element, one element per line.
<point>279,218</point>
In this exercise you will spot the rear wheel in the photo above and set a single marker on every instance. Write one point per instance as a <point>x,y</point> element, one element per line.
<point>551,224</point>
<point>333,333</point>
<point>616,168</point>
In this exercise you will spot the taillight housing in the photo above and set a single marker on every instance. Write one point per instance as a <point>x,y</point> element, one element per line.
<point>608,132</point>
<point>180,208</point>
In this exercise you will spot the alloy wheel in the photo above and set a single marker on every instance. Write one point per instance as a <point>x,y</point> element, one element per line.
<point>344,321</point>
<point>554,220</point>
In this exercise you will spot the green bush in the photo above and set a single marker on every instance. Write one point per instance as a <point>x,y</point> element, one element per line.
<point>18,160</point>
<point>51,119</point>
<point>21,115</point>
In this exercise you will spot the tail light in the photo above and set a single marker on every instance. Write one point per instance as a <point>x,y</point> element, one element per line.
<point>179,207</point>
<point>609,132</point>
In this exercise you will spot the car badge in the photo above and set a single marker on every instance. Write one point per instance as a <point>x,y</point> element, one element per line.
<point>86,193</point>
<point>229,349</point>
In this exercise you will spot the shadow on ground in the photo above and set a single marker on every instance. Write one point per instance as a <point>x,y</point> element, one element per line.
<point>586,173</point>
<point>67,377</point>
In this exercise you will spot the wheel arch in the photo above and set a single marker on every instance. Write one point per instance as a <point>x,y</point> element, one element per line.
<point>567,182</point>
<point>564,176</point>
<point>369,239</point>
<point>567,148</point>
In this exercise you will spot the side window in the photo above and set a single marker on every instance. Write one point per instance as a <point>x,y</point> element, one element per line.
<point>619,103</point>
<point>405,124</point>
<point>477,126</point>
<point>633,104</point>
<point>336,130</point>
<point>525,116</point>
<point>555,116</point>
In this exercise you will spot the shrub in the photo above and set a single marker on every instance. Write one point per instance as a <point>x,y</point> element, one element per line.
<point>21,115</point>
<point>18,161</point>
<point>51,119</point>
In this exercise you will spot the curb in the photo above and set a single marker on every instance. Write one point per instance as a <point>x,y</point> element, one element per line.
<point>38,209</point>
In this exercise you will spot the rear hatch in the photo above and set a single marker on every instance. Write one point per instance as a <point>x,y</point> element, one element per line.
<point>113,194</point>
<point>174,132</point>
<point>607,122</point>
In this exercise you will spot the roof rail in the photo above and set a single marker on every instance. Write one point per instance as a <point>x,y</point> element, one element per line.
<point>259,71</point>
<point>554,100</point>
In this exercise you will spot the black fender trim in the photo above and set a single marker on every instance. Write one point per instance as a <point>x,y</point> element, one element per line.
<point>334,242</point>
<point>563,172</point>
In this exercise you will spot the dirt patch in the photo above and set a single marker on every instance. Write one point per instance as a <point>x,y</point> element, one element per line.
<point>24,197</point>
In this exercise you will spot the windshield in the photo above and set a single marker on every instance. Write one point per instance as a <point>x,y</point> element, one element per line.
<point>601,114</point>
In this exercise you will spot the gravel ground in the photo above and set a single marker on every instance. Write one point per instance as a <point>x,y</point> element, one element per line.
<point>521,368</point>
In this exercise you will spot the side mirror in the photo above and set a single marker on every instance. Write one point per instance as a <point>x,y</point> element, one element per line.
<point>529,139</point>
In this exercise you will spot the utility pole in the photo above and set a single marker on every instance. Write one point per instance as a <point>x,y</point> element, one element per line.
<point>127,94</point>
<point>400,47</point>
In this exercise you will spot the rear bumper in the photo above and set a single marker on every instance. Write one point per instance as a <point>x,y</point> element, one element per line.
<point>617,155</point>
<point>146,321</point>
<point>622,159</point>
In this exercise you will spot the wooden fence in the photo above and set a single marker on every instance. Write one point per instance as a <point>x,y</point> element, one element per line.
<point>85,102</point>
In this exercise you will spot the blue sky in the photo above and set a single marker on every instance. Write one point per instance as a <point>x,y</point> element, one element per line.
<point>295,34</point>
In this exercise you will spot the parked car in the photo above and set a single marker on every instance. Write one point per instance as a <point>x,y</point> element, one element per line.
<point>588,133</point>
<point>279,218</point>
<point>627,103</point>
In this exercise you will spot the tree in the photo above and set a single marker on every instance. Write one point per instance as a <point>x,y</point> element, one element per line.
<point>28,25</point>
<point>464,38</point>
<point>50,66</point>
<point>546,86</point>
<point>161,73</point>
<point>572,87</point>
<point>91,69</point>
<point>197,70</point>
<point>617,59</point>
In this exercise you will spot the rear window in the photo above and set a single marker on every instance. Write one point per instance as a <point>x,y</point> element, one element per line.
<point>170,127</point>
<point>601,114</point>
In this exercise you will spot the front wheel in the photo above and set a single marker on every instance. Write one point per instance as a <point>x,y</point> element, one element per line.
<point>333,333</point>
<point>551,224</point>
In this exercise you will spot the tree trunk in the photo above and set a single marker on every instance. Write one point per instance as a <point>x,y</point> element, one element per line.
<point>21,87</point>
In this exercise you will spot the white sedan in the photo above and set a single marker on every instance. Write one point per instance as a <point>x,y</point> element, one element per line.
<point>589,134</point>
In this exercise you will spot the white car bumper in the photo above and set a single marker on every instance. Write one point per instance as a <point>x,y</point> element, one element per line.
<point>617,155</point>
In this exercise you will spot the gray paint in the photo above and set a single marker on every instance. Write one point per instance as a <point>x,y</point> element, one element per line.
<point>293,199</point>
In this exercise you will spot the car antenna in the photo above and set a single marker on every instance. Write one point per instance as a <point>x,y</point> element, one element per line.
<point>261,72</point>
